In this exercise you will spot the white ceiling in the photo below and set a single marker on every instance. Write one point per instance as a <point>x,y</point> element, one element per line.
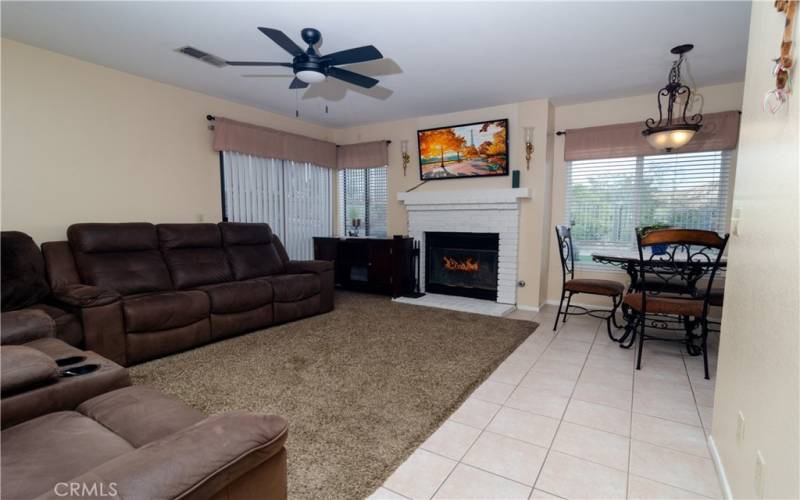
<point>440,57</point>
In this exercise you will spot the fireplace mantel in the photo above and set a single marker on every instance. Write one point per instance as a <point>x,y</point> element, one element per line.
<point>464,197</point>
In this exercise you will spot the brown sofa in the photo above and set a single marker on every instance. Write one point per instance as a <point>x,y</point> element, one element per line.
<point>28,307</point>
<point>144,291</point>
<point>92,435</point>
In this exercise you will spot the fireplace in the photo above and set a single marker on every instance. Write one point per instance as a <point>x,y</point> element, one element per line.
<point>462,264</point>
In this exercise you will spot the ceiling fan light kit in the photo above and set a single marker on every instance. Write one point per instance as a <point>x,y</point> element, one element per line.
<point>311,67</point>
<point>673,131</point>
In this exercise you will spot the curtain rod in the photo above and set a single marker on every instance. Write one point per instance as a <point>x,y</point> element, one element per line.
<point>211,118</point>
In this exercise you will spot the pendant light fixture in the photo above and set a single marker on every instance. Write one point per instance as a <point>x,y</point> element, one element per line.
<point>674,130</point>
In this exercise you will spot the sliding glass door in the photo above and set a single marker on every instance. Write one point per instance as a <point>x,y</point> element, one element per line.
<point>293,198</point>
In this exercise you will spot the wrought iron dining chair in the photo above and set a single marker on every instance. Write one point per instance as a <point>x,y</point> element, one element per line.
<point>691,253</point>
<point>571,286</point>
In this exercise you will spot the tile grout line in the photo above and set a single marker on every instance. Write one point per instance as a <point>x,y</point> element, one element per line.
<point>490,421</point>
<point>516,386</point>
<point>630,426</point>
<point>561,420</point>
<point>389,489</point>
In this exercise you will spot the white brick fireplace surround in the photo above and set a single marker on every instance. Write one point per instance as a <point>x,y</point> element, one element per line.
<point>473,211</point>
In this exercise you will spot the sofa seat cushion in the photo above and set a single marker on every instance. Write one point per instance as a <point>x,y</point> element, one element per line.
<point>238,296</point>
<point>164,310</point>
<point>294,287</point>
<point>140,414</point>
<point>665,305</point>
<point>54,448</point>
<point>593,286</point>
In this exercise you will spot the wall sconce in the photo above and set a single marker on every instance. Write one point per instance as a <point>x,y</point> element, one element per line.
<point>406,157</point>
<point>528,146</point>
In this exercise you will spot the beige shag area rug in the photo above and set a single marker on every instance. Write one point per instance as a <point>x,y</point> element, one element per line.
<point>361,386</point>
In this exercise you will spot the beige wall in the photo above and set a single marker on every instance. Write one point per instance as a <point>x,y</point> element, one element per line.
<point>630,109</point>
<point>84,143</point>
<point>534,212</point>
<point>758,368</point>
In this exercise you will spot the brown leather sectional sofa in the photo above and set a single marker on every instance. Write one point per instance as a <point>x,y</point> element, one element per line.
<point>143,290</point>
<point>69,433</point>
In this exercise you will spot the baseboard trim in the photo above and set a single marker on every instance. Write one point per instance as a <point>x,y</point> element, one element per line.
<point>523,307</point>
<point>723,479</point>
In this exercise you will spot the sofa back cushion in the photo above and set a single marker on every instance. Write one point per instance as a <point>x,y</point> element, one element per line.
<point>250,250</point>
<point>22,267</point>
<point>120,256</point>
<point>194,254</point>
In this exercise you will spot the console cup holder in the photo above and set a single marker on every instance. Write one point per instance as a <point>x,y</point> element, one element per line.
<point>72,360</point>
<point>79,370</point>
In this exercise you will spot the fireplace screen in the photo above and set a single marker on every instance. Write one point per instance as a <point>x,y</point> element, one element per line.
<point>461,264</point>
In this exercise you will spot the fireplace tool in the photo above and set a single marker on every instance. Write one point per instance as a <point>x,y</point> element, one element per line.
<point>415,256</point>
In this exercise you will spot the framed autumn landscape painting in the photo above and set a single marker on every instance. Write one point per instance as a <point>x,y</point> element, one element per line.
<point>470,150</point>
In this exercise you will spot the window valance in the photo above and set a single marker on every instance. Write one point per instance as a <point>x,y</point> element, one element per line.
<point>364,155</point>
<point>720,132</point>
<point>231,135</point>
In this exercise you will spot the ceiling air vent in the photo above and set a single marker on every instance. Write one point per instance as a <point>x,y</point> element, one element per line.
<point>203,56</point>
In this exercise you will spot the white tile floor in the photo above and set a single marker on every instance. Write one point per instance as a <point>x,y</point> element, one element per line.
<point>566,415</point>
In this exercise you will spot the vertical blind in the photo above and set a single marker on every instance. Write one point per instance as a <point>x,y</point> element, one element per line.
<point>608,199</point>
<point>293,198</point>
<point>363,195</point>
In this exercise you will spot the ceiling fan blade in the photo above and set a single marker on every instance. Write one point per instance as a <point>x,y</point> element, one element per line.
<point>357,55</point>
<point>251,75</point>
<point>257,63</point>
<point>298,84</point>
<point>354,78</point>
<point>281,39</point>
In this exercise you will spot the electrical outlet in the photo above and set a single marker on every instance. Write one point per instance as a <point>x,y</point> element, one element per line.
<point>740,428</point>
<point>759,477</point>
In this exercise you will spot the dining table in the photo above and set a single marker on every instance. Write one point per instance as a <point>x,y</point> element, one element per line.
<point>628,259</point>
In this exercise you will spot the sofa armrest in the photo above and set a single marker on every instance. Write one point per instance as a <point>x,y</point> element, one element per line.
<point>24,325</point>
<point>196,462</point>
<point>308,266</point>
<point>84,295</point>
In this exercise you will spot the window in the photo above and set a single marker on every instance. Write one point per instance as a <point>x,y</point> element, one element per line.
<point>608,199</point>
<point>293,198</point>
<point>362,197</point>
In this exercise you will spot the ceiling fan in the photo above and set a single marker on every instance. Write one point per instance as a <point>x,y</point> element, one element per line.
<point>311,67</point>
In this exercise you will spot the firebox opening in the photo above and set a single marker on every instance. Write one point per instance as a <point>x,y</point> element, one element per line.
<point>462,264</point>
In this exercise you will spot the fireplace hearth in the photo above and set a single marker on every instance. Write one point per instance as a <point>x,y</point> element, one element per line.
<point>463,264</point>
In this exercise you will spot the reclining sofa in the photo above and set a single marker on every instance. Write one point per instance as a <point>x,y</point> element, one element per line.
<point>72,432</point>
<point>143,291</point>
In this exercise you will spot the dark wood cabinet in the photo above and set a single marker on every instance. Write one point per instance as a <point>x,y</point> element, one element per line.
<point>378,265</point>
